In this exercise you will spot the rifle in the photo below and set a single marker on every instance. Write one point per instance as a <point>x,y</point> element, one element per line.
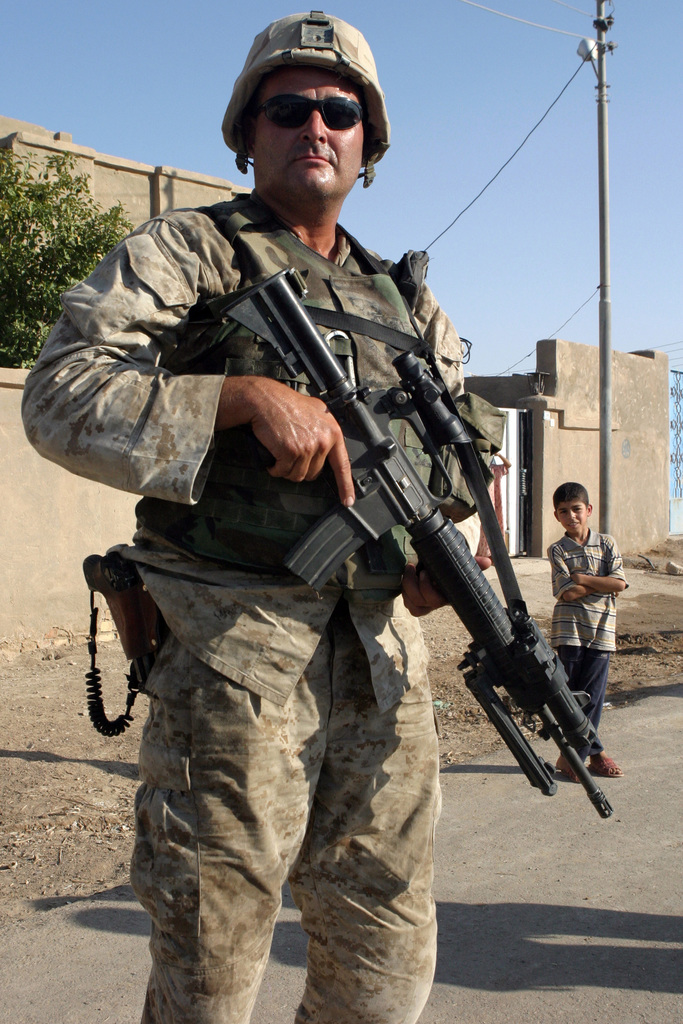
<point>507,649</point>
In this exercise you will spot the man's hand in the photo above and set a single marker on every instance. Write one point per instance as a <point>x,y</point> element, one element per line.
<point>420,596</point>
<point>298,431</point>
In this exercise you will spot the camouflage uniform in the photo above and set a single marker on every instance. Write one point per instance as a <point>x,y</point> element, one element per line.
<point>291,733</point>
<point>324,789</point>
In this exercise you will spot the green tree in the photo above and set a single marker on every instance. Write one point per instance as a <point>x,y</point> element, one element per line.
<point>52,234</point>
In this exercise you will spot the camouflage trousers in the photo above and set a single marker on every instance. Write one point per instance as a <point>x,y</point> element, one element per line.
<point>240,794</point>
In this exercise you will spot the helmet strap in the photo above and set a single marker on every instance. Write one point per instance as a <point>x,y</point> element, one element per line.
<point>243,162</point>
<point>368,173</point>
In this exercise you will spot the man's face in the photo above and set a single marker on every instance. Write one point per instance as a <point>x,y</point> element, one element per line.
<point>573,516</point>
<point>294,167</point>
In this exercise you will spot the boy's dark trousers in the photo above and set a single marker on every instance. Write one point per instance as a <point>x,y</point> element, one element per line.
<point>587,670</point>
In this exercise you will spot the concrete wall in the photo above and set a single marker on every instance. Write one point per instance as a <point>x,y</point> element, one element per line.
<point>142,189</point>
<point>49,521</point>
<point>566,437</point>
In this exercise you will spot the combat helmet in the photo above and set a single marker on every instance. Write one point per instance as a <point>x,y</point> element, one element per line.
<point>317,40</point>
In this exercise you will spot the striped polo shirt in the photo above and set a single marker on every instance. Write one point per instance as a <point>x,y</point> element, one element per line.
<point>589,621</point>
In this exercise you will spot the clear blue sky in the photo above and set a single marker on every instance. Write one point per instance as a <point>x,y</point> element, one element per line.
<point>149,80</point>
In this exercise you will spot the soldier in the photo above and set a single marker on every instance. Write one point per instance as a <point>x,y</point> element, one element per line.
<point>291,734</point>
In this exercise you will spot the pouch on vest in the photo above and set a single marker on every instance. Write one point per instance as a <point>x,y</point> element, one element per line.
<point>486,426</point>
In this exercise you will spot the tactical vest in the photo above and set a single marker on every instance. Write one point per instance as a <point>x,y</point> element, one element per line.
<point>245,518</point>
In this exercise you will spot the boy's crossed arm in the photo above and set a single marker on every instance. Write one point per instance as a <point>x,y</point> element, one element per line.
<point>585,584</point>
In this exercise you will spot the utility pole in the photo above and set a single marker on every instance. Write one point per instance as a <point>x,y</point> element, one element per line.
<point>602,25</point>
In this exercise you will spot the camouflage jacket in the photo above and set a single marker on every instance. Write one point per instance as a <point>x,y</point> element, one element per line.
<point>100,402</point>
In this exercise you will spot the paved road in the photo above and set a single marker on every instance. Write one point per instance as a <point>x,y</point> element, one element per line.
<point>546,912</point>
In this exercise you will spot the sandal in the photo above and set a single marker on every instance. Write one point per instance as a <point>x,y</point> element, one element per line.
<point>564,768</point>
<point>605,767</point>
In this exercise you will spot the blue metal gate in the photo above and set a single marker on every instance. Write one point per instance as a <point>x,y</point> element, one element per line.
<point>676,450</point>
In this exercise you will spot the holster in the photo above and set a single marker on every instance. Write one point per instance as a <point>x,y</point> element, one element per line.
<point>135,614</point>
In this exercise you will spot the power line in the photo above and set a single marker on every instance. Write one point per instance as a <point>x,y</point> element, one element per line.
<point>534,24</point>
<point>562,4</point>
<point>673,344</point>
<point>553,335</point>
<point>591,296</point>
<point>527,356</point>
<point>509,160</point>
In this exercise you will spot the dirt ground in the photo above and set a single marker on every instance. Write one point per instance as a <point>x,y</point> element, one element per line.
<point>66,792</point>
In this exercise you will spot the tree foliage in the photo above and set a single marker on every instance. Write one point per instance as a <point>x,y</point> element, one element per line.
<point>52,235</point>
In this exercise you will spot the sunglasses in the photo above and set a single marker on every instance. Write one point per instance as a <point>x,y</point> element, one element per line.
<point>292,111</point>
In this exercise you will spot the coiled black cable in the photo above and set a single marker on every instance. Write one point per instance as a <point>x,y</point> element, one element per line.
<point>93,688</point>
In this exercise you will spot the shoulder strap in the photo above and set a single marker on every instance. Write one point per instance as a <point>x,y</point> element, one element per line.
<point>360,325</point>
<point>408,275</point>
<point>230,217</point>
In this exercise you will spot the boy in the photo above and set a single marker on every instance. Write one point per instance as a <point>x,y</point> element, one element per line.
<point>587,575</point>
